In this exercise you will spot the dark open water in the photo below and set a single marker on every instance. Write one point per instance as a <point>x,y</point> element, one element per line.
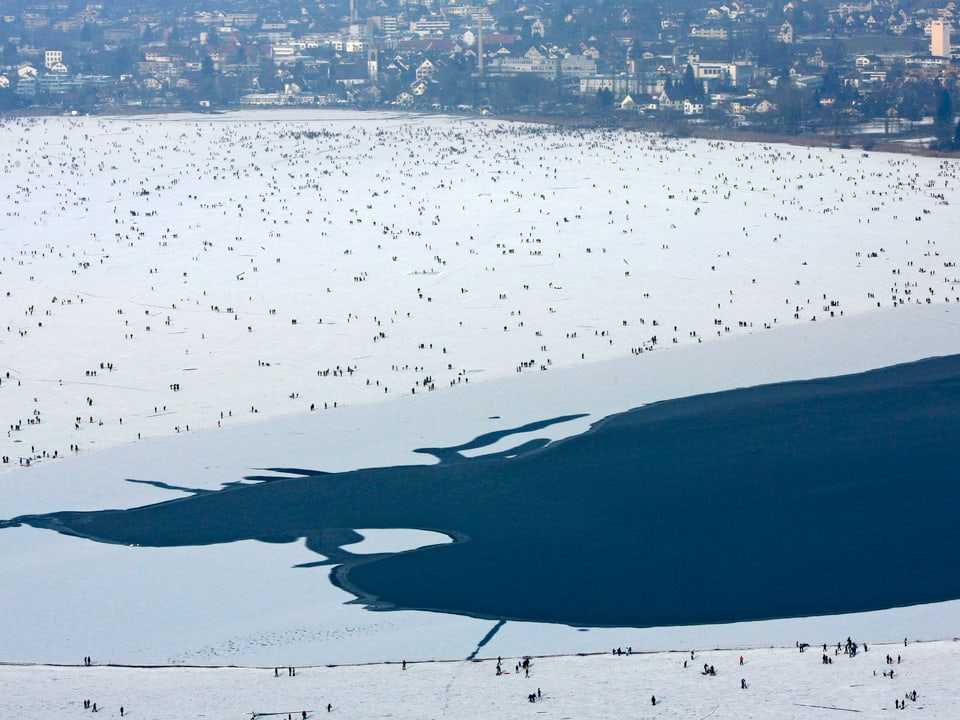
<point>806,498</point>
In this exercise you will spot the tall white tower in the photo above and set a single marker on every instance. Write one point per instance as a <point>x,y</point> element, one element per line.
<point>480,43</point>
<point>373,67</point>
<point>940,38</point>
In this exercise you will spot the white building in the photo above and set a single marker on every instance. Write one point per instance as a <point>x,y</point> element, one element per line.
<point>709,32</point>
<point>618,85</point>
<point>425,70</point>
<point>940,38</point>
<point>430,26</point>
<point>578,66</point>
<point>533,61</point>
<point>738,73</point>
<point>52,57</point>
<point>785,35</point>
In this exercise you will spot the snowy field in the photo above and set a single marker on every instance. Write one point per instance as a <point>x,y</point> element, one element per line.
<point>189,299</point>
<point>780,683</point>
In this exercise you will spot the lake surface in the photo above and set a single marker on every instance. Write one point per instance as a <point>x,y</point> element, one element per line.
<point>807,498</point>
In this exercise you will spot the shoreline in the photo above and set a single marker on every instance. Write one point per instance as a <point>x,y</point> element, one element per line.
<point>851,141</point>
<point>768,682</point>
<point>450,660</point>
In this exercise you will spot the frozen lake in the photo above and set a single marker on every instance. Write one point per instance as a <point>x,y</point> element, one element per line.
<point>194,304</point>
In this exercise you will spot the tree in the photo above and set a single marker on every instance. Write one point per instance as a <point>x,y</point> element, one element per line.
<point>692,88</point>
<point>943,117</point>
<point>604,98</point>
<point>267,78</point>
<point>123,61</point>
<point>390,88</point>
<point>789,100</point>
<point>9,100</point>
<point>832,84</point>
<point>208,87</point>
<point>90,33</point>
<point>457,86</point>
<point>11,56</point>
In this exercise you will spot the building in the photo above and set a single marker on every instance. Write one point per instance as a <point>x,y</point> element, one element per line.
<point>618,85</point>
<point>578,66</point>
<point>533,61</point>
<point>785,34</point>
<point>940,38</point>
<point>425,71</point>
<point>739,73</point>
<point>430,26</point>
<point>709,32</point>
<point>55,84</point>
<point>55,57</point>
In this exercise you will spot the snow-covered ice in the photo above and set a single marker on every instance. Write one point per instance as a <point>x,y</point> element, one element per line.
<point>177,292</point>
<point>780,683</point>
<point>196,272</point>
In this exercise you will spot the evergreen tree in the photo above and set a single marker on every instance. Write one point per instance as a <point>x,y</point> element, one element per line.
<point>945,108</point>
<point>943,117</point>
<point>692,88</point>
